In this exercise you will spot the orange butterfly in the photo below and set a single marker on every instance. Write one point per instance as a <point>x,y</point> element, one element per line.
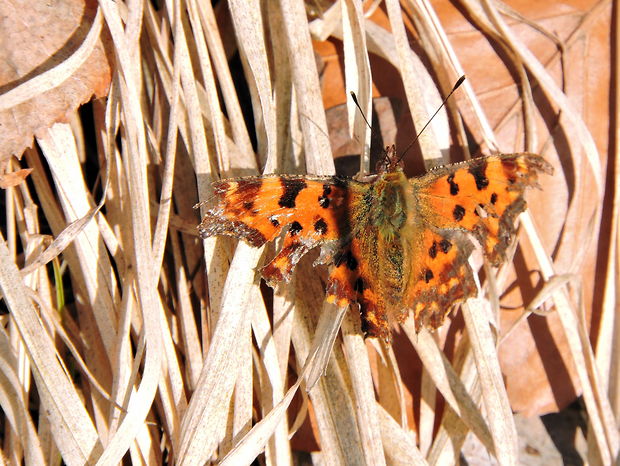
<point>394,244</point>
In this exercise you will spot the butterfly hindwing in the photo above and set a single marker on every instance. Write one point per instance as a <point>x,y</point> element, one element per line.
<point>351,280</point>
<point>441,276</point>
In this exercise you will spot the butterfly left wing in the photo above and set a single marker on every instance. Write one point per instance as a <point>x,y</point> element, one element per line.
<point>257,209</point>
<point>482,196</point>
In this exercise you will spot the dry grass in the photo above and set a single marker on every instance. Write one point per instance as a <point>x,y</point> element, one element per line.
<point>155,358</point>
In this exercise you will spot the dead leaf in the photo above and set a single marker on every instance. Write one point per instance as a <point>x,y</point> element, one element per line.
<point>49,66</point>
<point>8,180</point>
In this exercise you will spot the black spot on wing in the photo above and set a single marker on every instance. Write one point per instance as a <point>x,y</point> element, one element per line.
<point>274,221</point>
<point>324,198</point>
<point>359,285</point>
<point>295,228</point>
<point>432,251</point>
<point>478,170</point>
<point>291,188</point>
<point>428,275</point>
<point>458,213</point>
<point>493,198</point>
<point>445,245</point>
<point>454,187</point>
<point>345,258</point>
<point>320,226</point>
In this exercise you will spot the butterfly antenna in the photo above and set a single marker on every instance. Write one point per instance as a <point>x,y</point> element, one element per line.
<point>456,86</point>
<point>373,134</point>
<point>357,104</point>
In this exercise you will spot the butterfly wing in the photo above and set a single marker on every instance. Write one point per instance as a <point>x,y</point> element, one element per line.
<point>356,277</point>
<point>313,210</point>
<point>483,197</point>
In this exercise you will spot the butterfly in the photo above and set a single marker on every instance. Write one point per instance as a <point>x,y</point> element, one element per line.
<point>394,245</point>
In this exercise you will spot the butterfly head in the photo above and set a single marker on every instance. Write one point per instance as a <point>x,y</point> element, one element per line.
<point>390,162</point>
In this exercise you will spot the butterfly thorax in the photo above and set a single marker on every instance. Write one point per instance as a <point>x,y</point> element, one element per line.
<point>388,205</point>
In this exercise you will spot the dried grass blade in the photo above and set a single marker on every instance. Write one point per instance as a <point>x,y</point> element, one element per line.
<point>363,390</point>
<point>319,160</point>
<point>358,76</point>
<point>283,315</point>
<point>279,450</point>
<point>247,19</point>
<point>608,342</point>
<point>449,440</point>
<point>58,147</point>
<point>224,78</point>
<point>323,342</point>
<point>287,146</point>
<point>146,276</point>
<point>400,447</point>
<point>185,313</point>
<point>171,387</point>
<point>331,396</point>
<point>73,430</point>
<point>428,403</point>
<point>204,423</point>
<point>52,319</point>
<point>68,234</point>
<point>165,198</point>
<point>254,442</point>
<point>382,43</point>
<point>60,242</point>
<point>415,95</point>
<point>213,108</point>
<point>600,414</point>
<point>327,23</point>
<point>448,382</point>
<point>497,406</point>
<point>14,403</point>
<point>546,292</point>
<point>243,397</point>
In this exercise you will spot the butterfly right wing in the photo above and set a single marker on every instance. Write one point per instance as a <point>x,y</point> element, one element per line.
<point>257,209</point>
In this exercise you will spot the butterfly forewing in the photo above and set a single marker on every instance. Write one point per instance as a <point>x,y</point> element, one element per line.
<point>482,196</point>
<point>313,210</point>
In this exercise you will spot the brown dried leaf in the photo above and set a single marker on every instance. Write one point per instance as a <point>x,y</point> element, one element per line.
<point>8,180</point>
<point>49,66</point>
